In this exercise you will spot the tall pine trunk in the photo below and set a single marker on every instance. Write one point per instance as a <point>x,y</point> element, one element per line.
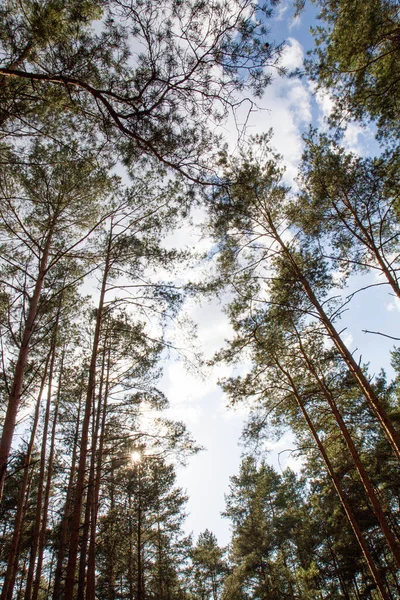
<point>368,487</point>
<point>43,529</point>
<point>38,514</point>
<point>64,529</point>
<point>13,556</point>
<point>102,412</point>
<point>363,383</point>
<point>337,485</point>
<point>17,385</point>
<point>81,473</point>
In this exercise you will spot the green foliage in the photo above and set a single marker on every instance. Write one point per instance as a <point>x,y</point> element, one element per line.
<point>357,60</point>
<point>144,77</point>
<point>207,567</point>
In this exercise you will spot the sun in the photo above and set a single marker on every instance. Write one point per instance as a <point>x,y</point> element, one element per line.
<point>136,456</point>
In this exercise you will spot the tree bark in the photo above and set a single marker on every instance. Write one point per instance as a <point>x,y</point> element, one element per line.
<point>80,483</point>
<point>42,538</point>
<point>57,589</point>
<point>102,412</point>
<point>12,564</point>
<point>368,487</point>
<point>38,515</point>
<point>17,385</point>
<point>363,383</point>
<point>337,485</point>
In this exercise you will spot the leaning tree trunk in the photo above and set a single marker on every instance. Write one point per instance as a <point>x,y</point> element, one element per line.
<point>363,383</point>
<point>368,487</point>
<point>17,385</point>
<point>337,485</point>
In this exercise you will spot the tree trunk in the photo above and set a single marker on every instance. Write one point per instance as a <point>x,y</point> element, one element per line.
<point>337,485</point>
<point>140,574</point>
<point>80,595</point>
<point>12,564</point>
<point>17,385</point>
<point>38,516</point>
<point>368,487</point>
<point>363,383</point>
<point>42,538</point>
<point>57,589</point>
<point>80,483</point>
<point>102,412</point>
<point>370,243</point>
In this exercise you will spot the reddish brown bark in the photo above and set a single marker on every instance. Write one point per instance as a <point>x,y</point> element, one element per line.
<point>43,527</point>
<point>363,383</point>
<point>17,385</point>
<point>39,500</point>
<point>12,564</point>
<point>80,483</point>
<point>62,540</point>
<point>102,412</point>
<point>337,485</point>
<point>368,487</point>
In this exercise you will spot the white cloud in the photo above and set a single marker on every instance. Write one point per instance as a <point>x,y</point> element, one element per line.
<point>395,305</point>
<point>295,23</point>
<point>348,340</point>
<point>285,107</point>
<point>281,10</point>
<point>324,102</point>
<point>283,454</point>
<point>293,54</point>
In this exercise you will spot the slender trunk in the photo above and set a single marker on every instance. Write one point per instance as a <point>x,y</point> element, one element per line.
<point>87,526</point>
<point>369,241</point>
<point>12,564</point>
<point>160,565</point>
<point>102,412</point>
<point>57,589</point>
<point>368,487</point>
<point>130,558</point>
<point>339,575</point>
<point>80,483</point>
<point>50,578</point>
<point>110,570</point>
<point>337,485</point>
<point>80,595</point>
<point>42,538</point>
<point>140,574</point>
<point>363,383</point>
<point>17,385</point>
<point>22,577</point>
<point>38,515</point>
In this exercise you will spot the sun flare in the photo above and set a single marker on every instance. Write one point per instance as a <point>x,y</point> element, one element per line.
<point>136,456</point>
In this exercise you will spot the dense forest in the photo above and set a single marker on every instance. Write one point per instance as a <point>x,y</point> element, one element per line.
<point>112,115</point>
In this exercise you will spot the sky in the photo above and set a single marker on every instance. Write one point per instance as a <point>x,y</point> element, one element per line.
<point>289,106</point>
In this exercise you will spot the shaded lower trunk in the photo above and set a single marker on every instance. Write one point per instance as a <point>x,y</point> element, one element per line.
<point>13,557</point>
<point>42,537</point>
<point>39,500</point>
<point>64,528</point>
<point>81,473</point>
<point>368,487</point>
